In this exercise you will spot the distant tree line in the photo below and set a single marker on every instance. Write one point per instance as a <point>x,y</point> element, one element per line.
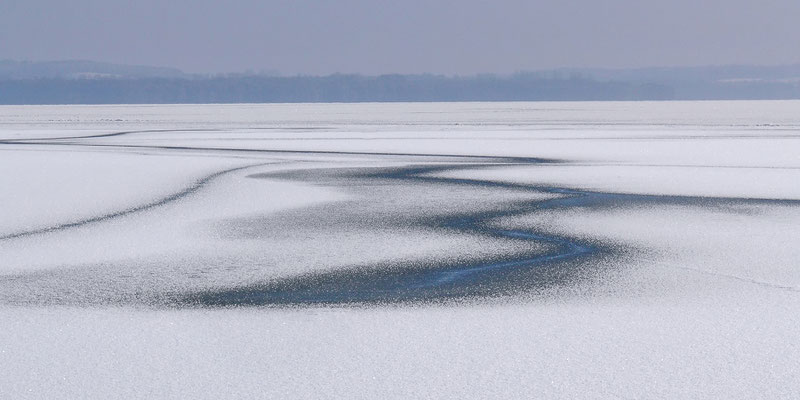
<point>333,88</point>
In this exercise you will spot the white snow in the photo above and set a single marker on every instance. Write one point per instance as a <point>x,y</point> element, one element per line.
<point>47,188</point>
<point>703,304</point>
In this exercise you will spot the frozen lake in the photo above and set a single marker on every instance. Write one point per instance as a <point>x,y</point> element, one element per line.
<point>417,250</point>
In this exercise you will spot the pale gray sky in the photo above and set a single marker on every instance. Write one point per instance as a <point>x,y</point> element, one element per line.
<point>408,36</point>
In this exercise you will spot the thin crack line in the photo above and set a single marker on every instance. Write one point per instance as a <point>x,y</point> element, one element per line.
<point>769,285</point>
<point>194,187</point>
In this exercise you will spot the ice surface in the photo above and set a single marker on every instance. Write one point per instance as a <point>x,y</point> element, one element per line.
<point>667,179</point>
<point>716,346</point>
<point>113,216</point>
<point>48,188</point>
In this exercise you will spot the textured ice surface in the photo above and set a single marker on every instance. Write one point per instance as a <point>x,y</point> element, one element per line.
<point>48,188</point>
<point>763,181</point>
<point>123,228</point>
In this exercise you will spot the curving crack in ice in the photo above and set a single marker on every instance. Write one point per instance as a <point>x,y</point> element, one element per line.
<point>437,281</point>
<point>192,188</point>
<point>440,281</point>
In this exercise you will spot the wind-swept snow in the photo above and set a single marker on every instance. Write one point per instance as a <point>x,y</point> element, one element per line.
<point>465,250</point>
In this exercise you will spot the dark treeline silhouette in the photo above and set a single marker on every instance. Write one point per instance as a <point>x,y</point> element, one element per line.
<point>333,88</point>
<point>92,83</point>
<point>720,82</point>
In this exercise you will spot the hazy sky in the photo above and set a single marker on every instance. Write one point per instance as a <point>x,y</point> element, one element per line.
<point>405,36</point>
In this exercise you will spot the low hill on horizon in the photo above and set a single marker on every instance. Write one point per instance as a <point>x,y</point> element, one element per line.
<point>81,69</point>
<point>87,82</point>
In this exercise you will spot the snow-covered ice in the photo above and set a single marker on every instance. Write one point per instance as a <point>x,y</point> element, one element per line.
<point>422,250</point>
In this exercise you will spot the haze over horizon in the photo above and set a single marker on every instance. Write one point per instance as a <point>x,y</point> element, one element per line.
<point>379,37</point>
